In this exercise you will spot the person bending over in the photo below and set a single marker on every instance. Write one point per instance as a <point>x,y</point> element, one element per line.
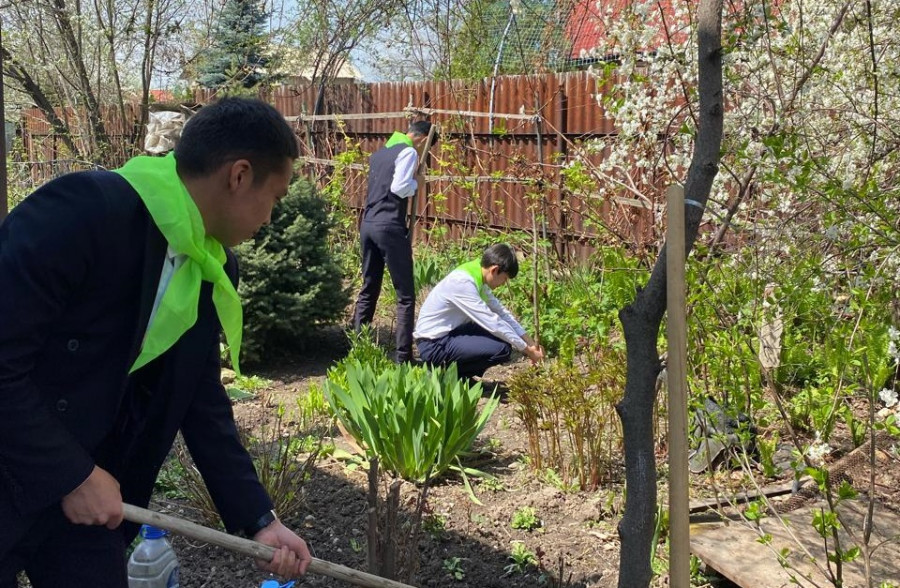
<point>462,322</point>
<point>115,287</point>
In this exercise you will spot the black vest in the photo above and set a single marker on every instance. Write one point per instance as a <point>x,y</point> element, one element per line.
<point>383,207</point>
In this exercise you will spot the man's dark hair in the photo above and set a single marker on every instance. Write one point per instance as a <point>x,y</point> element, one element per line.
<point>503,256</point>
<point>420,127</point>
<point>235,128</point>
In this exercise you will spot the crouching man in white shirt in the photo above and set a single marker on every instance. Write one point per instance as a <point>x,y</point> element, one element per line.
<point>462,321</point>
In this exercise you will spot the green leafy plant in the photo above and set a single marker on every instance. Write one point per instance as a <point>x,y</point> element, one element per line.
<point>290,282</point>
<point>522,559</point>
<point>246,387</point>
<point>550,476</point>
<point>578,307</point>
<point>284,453</point>
<point>434,524</point>
<point>767,448</point>
<point>525,518</point>
<point>453,567</point>
<point>364,350</point>
<point>416,421</point>
<point>427,271</point>
<point>698,577</point>
<point>492,484</point>
<point>170,481</point>
<point>347,175</point>
<point>660,530</point>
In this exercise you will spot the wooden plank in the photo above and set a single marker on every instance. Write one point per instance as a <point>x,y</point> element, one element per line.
<point>346,116</point>
<point>734,551</point>
<point>473,113</point>
<point>725,501</point>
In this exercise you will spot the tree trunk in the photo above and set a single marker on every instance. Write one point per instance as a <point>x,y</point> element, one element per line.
<point>76,60</point>
<point>642,318</point>
<point>16,71</point>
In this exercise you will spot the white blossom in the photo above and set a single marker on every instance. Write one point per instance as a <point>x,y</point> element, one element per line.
<point>889,397</point>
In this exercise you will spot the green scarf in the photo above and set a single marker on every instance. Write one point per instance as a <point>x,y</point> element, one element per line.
<point>398,137</point>
<point>473,268</point>
<point>177,217</point>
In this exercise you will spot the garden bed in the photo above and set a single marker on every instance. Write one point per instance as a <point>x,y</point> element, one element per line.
<point>463,544</point>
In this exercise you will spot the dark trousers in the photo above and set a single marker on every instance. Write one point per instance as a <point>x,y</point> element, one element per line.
<point>472,348</point>
<point>387,244</point>
<point>57,554</point>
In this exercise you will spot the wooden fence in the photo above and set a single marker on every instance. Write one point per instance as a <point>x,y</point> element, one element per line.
<point>498,166</point>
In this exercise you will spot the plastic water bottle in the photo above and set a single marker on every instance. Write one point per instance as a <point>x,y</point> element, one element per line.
<point>153,563</point>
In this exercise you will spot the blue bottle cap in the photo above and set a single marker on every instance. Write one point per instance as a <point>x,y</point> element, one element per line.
<point>150,532</point>
<point>275,584</point>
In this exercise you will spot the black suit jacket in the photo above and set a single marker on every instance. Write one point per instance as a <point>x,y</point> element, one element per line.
<point>80,261</point>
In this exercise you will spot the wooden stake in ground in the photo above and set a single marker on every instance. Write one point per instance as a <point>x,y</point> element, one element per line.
<point>254,549</point>
<point>420,173</point>
<point>679,537</point>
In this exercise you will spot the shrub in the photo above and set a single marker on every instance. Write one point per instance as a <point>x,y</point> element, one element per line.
<point>284,453</point>
<point>570,417</point>
<point>290,281</point>
<point>416,421</point>
<point>579,305</point>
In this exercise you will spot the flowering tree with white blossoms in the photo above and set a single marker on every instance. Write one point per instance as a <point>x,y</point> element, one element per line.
<point>806,203</point>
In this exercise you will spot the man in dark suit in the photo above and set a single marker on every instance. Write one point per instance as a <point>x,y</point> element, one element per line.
<point>384,233</point>
<point>113,287</point>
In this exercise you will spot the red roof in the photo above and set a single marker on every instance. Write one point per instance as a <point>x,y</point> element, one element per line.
<point>588,33</point>
<point>162,96</point>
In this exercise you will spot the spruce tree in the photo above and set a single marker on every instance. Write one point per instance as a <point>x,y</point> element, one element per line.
<point>237,57</point>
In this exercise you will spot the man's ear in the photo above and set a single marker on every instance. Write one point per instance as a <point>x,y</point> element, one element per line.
<point>240,175</point>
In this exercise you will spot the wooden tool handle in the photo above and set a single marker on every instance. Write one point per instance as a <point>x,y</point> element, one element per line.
<point>254,549</point>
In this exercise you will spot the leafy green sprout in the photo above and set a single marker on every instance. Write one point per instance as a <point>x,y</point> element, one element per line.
<point>493,484</point>
<point>525,518</point>
<point>170,480</point>
<point>521,558</point>
<point>550,476</point>
<point>698,578</point>
<point>246,387</point>
<point>434,524</point>
<point>494,444</point>
<point>453,567</point>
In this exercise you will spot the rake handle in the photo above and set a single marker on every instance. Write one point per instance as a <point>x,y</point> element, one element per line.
<point>254,549</point>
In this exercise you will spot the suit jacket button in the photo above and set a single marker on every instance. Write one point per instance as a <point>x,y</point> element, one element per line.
<point>72,345</point>
<point>62,405</point>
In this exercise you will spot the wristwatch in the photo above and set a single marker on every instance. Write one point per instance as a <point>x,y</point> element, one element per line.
<point>261,523</point>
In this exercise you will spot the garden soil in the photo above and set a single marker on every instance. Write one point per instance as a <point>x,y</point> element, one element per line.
<point>463,544</point>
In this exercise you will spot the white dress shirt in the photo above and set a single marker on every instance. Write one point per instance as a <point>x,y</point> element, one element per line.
<point>173,261</point>
<point>456,301</point>
<point>404,182</point>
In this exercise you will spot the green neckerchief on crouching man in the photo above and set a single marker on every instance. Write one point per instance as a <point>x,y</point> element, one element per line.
<point>178,219</point>
<point>473,268</point>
